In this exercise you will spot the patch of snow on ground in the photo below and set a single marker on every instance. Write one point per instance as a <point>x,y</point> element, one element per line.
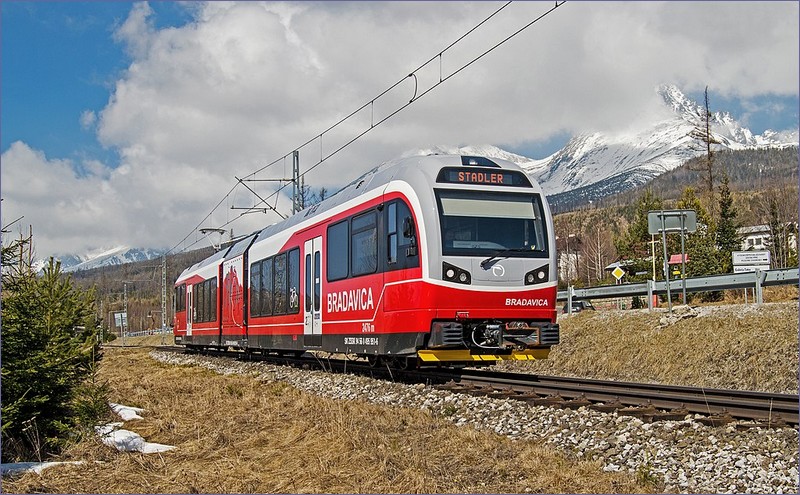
<point>127,413</point>
<point>128,441</point>
<point>14,468</point>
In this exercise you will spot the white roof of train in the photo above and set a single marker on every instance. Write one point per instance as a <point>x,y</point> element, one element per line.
<point>410,169</point>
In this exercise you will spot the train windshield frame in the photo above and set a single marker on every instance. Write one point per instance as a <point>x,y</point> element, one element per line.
<point>483,223</point>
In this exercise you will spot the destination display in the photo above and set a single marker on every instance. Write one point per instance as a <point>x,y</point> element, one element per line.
<point>484,177</point>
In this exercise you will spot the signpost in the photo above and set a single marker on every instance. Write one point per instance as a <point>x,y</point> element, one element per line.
<point>670,221</point>
<point>121,319</point>
<point>751,261</point>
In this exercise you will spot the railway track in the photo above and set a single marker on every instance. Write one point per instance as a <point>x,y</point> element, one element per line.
<point>650,402</point>
<point>645,400</point>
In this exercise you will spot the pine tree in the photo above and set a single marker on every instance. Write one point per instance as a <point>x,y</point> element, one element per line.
<point>727,238</point>
<point>48,349</point>
<point>701,248</point>
<point>634,244</point>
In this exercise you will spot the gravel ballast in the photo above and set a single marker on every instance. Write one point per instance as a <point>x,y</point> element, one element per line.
<point>686,456</point>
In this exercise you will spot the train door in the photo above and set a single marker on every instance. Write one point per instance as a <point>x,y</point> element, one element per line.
<point>233,324</point>
<point>189,310</point>
<point>312,320</point>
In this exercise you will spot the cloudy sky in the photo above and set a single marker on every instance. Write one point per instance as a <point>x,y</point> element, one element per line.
<point>126,123</point>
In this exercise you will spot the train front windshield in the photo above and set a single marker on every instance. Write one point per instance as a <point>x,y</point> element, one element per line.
<point>479,223</point>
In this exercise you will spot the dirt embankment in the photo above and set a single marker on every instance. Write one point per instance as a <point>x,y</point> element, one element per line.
<point>736,346</point>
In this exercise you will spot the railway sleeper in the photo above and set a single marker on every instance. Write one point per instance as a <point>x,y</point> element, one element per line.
<point>775,422</point>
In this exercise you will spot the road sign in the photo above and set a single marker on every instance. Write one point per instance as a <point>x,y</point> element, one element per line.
<point>121,319</point>
<point>749,268</point>
<point>618,272</point>
<point>760,257</point>
<point>668,221</point>
<point>671,221</point>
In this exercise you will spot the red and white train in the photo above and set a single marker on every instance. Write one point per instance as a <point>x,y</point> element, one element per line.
<point>424,260</point>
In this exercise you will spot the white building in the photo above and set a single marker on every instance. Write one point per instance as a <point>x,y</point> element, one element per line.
<point>757,237</point>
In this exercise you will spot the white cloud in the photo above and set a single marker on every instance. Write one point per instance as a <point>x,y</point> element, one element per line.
<point>88,118</point>
<point>244,83</point>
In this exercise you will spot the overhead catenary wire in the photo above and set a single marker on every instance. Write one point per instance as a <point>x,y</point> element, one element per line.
<point>372,124</point>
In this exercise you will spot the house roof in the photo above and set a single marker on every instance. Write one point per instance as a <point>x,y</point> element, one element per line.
<point>753,229</point>
<point>675,259</point>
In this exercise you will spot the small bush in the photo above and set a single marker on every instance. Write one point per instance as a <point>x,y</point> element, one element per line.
<point>49,347</point>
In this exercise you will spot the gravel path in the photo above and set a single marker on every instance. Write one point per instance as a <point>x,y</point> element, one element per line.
<point>688,456</point>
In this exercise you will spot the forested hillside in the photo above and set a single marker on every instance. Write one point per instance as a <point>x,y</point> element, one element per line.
<point>143,281</point>
<point>762,188</point>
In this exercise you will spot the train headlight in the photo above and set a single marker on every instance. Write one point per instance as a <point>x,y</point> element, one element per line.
<point>538,276</point>
<point>452,273</point>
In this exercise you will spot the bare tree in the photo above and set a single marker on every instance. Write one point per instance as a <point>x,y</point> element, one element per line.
<point>702,132</point>
<point>777,209</point>
<point>598,250</point>
<point>568,231</point>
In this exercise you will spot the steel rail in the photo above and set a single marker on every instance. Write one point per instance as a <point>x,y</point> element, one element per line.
<point>741,404</point>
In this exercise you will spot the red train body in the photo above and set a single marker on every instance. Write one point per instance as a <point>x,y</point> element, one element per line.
<point>437,259</point>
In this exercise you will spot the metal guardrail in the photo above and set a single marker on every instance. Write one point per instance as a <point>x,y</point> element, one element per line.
<point>144,333</point>
<point>750,280</point>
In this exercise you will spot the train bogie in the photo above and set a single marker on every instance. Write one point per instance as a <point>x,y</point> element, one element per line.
<point>437,259</point>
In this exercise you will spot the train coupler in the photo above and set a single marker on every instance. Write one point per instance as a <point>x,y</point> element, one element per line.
<point>521,335</point>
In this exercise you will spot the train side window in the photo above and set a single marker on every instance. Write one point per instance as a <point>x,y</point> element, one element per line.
<point>391,233</point>
<point>204,308</point>
<point>364,244</point>
<point>294,281</point>
<point>337,250</point>
<point>180,298</point>
<point>308,283</point>
<point>266,287</point>
<point>279,273</point>
<point>204,305</point>
<point>199,303</point>
<point>402,246</point>
<point>255,289</point>
<point>212,300</point>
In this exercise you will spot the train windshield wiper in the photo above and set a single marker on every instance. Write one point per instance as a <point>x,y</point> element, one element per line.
<point>503,253</point>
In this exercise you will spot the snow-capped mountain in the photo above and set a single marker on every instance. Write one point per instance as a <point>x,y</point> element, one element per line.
<point>481,150</point>
<point>101,257</point>
<point>599,164</point>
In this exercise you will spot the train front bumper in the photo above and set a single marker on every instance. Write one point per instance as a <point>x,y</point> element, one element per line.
<point>466,356</point>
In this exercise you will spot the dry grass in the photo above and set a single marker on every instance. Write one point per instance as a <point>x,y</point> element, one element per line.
<point>235,434</point>
<point>740,347</point>
<point>147,340</point>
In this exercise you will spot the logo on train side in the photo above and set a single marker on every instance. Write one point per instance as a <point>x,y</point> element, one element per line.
<point>350,300</point>
<point>510,301</point>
